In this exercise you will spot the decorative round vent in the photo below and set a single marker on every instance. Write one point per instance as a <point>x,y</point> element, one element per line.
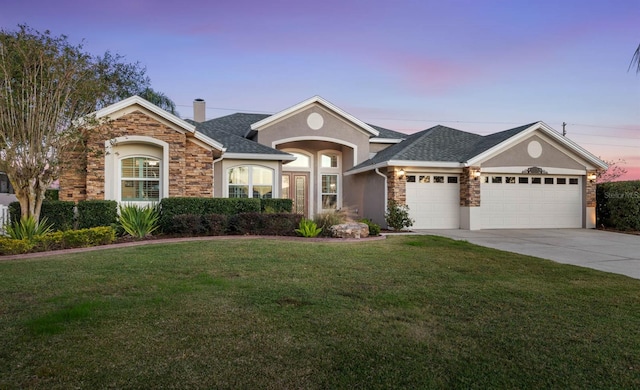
<point>534,149</point>
<point>315,121</point>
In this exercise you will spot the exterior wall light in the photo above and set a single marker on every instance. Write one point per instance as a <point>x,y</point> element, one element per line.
<point>476,174</point>
<point>401,173</point>
<point>591,177</point>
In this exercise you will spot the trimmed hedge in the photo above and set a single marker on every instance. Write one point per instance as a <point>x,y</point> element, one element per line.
<point>618,205</point>
<point>277,224</point>
<point>9,246</point>
<point>274,224</point>
<point>170,207</point>
<point>81,238</point>
<point>276,205</point>
<point>59,213</point>
<point>59,240</point>
<point>92,213</point>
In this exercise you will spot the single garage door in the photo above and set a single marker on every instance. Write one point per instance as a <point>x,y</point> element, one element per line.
<point>434,200</point>
<point>525,201</point>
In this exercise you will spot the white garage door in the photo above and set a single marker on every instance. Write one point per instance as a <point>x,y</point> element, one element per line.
<point>524,201</point>
<point>434,200</point>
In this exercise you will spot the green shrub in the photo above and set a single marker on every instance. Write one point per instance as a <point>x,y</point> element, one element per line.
<point>397,216</point>
<point>67,239</point>
<point>27,228</point>
<point>280,224</point>
<point>138,222</point>
<point>215,224</point>
<point>374,228</point>
<point>308,228</point>
<point>276,205</point>
<point>92,213</point>
<point>618,205</point>
<point>188,224</point>
<point>59,213</point>
<point>51,195</point>
<point>203,206</point>
<point>246,224</point>
<point>9,246</point>
<point>14,211</point>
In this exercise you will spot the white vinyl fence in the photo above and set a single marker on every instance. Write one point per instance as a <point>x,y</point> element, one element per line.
<point>4,217</point>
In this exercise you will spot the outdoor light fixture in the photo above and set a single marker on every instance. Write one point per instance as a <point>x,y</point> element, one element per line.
<point>476,174</point>
<point>591,177</point>
<point>401,173</point>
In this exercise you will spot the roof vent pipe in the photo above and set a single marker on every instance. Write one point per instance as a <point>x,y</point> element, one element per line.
<point>199,107</point>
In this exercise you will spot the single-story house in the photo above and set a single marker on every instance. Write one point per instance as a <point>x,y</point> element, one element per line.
<point>325,159</point>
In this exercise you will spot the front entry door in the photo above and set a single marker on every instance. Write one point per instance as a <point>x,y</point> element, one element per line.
<point>295,186</point>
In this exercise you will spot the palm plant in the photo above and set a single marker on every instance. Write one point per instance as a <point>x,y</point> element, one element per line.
<point>28,227</point>
<point>137,221</point>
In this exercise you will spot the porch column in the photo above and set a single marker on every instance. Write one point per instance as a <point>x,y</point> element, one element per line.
<point>590,200</point>
<point>396,185</point>
<point>470,199</point>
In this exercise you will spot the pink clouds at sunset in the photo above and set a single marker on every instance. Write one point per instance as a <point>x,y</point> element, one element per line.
<point>477,65</point>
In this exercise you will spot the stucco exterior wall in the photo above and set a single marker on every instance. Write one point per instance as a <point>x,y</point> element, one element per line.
<point>334,129</point>
<point>518,155</point>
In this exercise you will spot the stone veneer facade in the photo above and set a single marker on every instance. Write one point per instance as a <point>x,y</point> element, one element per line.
<point>590,189</point>
<point>190,165</point>
<point>396,186</point>
<point>469,188</point>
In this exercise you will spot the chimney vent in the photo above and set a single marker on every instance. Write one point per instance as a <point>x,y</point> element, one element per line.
<point>199,108</point>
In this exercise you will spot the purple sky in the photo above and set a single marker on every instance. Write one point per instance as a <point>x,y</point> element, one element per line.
<point>479,66</point>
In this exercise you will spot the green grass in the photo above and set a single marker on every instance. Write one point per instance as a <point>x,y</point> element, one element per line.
<point>406,312</point>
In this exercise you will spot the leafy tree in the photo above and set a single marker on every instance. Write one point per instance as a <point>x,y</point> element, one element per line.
<point>46,84</point>
<point>159,99</point>
<point>614,172</point>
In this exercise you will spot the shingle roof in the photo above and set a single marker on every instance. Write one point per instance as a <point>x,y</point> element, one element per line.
<point>228,130</point>
<point>386,133</point>
<point>442,144</point>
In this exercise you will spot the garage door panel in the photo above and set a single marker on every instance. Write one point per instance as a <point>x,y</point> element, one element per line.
<point>531,205</point>
<point>433,205</point>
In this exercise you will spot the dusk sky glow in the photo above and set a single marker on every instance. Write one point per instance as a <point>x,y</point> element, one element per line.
<point>479,66</point>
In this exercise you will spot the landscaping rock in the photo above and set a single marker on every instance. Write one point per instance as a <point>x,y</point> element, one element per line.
<point>350,230</point>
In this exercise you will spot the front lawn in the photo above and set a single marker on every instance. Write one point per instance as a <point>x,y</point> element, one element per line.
<point>406,312</point>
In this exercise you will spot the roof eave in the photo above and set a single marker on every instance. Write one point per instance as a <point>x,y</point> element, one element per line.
<point>257,156</point>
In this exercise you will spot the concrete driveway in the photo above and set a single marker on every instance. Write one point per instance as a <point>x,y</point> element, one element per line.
<point>605,251</point>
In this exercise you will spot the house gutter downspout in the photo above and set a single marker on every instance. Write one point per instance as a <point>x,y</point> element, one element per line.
<point>385,187</point>
<point>213,171</point>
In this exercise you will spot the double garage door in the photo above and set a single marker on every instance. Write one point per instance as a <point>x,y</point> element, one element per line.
<point>521,201</point>
<point>507,201</point>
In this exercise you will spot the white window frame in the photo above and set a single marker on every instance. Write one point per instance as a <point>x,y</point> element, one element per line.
<point>337,171</point>
<point>250,184</point>
<point>126,146</point>
<point>138,180</point>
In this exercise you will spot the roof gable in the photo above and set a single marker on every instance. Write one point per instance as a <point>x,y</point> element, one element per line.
<point>503,140</point>
<point>309,102</point>
<point>121,107</point>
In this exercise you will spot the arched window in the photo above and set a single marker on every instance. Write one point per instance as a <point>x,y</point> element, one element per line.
<point>250,181</point>
<point>140,179</point>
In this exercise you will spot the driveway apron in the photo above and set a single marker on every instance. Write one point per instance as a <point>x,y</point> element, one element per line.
<point>605,251</point>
